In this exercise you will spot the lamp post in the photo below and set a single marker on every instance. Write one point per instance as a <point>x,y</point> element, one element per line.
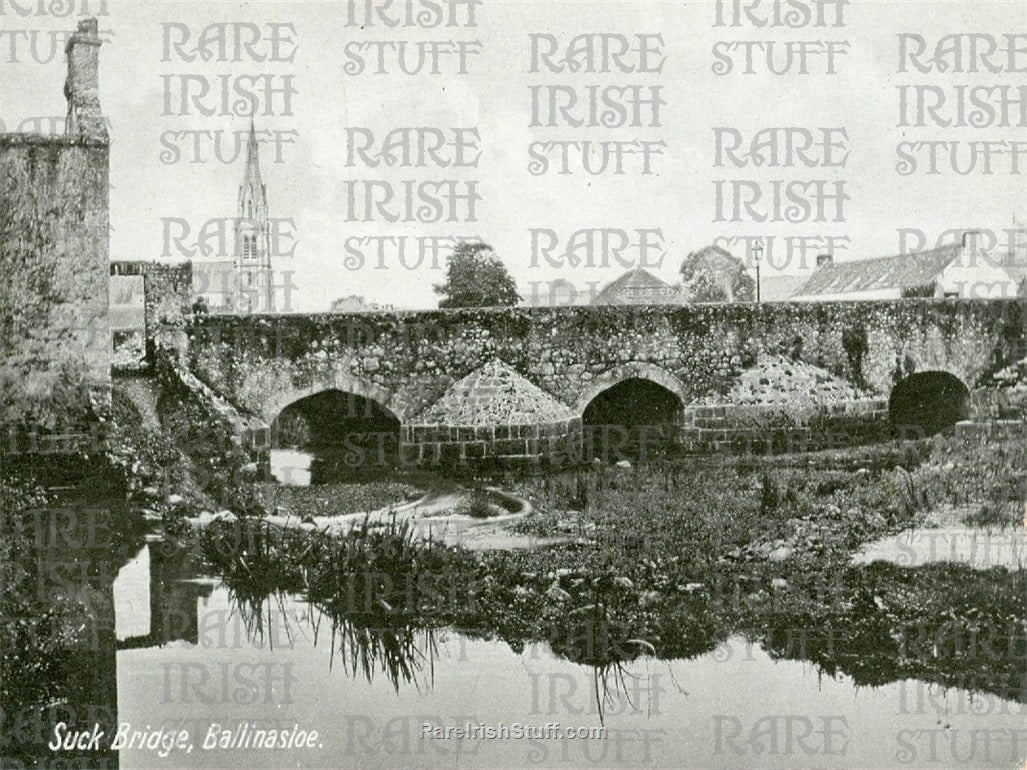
<point>757,256</point>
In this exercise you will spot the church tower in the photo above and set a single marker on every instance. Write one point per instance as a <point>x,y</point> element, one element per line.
<point>252,238</point>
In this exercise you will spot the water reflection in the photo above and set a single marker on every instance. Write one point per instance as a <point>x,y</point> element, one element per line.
<point>400,654</point>
<point>403,653</point>
<point>330,464</point>
<point>733,707</point>
<point>333,436</point>
<point>174,587</point>
<point>169,646</point>
<point>291,466</point>
<point>59,679</point>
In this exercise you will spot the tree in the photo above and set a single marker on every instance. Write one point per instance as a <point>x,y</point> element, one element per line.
<point>714,275</point>
<point>475,277</point>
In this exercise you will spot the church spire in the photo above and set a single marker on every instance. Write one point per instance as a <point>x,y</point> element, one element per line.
<point>252,195</point>
<point>252,235</point>
<point>251,175</point>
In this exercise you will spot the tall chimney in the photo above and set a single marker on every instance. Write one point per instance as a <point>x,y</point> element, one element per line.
<point>82,87</point>
<point>824,259</point>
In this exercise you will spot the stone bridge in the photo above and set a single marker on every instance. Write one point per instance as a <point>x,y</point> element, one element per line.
<point>405,362</point>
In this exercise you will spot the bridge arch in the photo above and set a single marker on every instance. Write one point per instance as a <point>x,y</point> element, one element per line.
<point>632,370</point>
<point>632,412</point>
<point>336,434</point>
<point>343,383</point>
<point>927,402</point>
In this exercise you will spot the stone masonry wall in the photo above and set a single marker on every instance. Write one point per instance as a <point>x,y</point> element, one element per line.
<point>406,361</point>
<point>55,339</point>
<point>54,330</point>
<point>766,429</point>
<point>507,445</point>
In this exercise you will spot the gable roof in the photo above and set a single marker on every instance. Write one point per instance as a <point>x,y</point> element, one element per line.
<point>639,287</point>
<point>903,271</point>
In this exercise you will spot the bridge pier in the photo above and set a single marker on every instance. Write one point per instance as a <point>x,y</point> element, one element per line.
<point>503,446</point>
<point>493,417</point>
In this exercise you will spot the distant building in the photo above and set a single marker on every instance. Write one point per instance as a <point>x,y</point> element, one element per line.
<point>954,270</point>
<point>354,303</point>
<point>244,283</point>
<point>639,287</point>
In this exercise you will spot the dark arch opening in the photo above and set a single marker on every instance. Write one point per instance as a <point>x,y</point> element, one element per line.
<point>636,419</point>
<point>926,403</point>
<point>350,437</point>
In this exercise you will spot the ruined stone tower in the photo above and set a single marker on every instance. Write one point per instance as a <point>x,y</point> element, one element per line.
<point>55,339</point>
<point>252,238</point>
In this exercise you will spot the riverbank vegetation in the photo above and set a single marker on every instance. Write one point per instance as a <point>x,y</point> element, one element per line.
<point>671,559</point>
<point>668,559</point>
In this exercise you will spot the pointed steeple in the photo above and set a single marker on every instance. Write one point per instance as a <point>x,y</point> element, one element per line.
<point>251,181</point>
<point>252,194</point>
<point>252,235</point>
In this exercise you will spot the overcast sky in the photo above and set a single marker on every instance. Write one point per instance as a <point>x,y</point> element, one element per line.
<point>495,98</point>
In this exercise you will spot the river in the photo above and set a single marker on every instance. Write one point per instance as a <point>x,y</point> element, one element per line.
<point>177,650</point>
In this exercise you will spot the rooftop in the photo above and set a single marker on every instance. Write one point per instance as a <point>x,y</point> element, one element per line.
<point>903,271</point>
<point>639,287</point>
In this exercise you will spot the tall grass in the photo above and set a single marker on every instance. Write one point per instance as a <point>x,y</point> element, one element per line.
<point>381,586</point>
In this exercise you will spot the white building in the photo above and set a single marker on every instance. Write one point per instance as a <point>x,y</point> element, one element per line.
<point>961,270</point>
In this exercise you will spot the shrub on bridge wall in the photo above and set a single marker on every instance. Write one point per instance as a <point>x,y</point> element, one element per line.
<point>999,403</point>
<point>218,440</point>
<point>129,352</point>
<point>1005,394</point>
<point>854,340</point>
